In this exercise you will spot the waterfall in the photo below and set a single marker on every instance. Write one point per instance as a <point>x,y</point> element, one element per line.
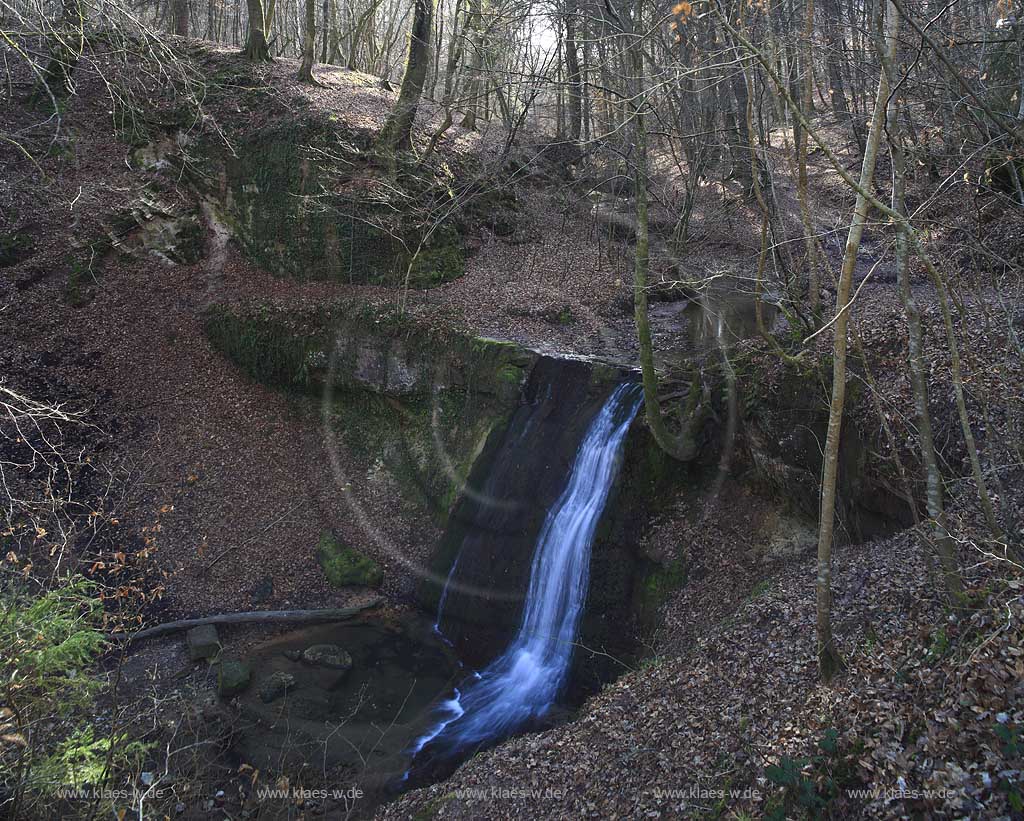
<point>524,682</point>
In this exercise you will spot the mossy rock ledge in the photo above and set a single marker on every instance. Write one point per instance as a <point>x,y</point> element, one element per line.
<point>415,400</point>
<point>295,197</point>
<point>341,347</point>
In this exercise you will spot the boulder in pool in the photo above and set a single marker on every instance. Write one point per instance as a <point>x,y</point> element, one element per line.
<point>327,655</point>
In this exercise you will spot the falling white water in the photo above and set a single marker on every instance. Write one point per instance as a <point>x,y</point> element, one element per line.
<point>524,682</point>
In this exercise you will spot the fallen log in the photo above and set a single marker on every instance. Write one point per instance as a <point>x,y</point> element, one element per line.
<point>250,617</point>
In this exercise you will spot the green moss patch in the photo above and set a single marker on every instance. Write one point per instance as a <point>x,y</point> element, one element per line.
<point>14,248</point>
<point>344,567</point>
<point>264,345</point>
<point>302,202</point>
<point>655,586</point>
<point>435,266</point>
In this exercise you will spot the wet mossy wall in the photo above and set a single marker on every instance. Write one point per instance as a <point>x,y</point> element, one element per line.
<point>785,422</point>
<point>290,196</point>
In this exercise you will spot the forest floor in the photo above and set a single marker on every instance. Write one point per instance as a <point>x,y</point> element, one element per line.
<point>233,484</point>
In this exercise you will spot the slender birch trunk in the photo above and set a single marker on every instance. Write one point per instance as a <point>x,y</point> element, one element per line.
<point>829,661</point>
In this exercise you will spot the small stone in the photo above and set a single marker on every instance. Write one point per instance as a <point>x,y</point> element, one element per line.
<point>263,591</point>
<point>179,808</point>
<point>232,677</point>
<point>276,685</point>
<point>327,655</point>
<point>292,654</point>
<point>203,642</point>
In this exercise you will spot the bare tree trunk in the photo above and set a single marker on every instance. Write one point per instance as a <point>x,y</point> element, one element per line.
<point>325,31</point>
<point>834,67</point>
<point>829,661</point>
<point>396,135</point>
<point>944,545</point>
<point>179,17</point>
<point>256,43</point>
<point>684,447</point>
<point>943,542</point>
<point>800,139</point>
<point>475,34</point>
<point>573,78</point>
<point>309,45</point>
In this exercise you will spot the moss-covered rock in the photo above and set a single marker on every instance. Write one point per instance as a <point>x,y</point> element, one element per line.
<point>202,642</point>
<point>414,400</point>
<point>233,677</point>
<point>341,347</point>
<point>327,655</point>
<point>265,345</point>
<point>276,685</point>
<point>301,200</point>
<point>344,567</point>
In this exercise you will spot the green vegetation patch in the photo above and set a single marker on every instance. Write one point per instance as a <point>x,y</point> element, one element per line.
<point>344,567</point>
<point>50,643</point>
<point>14,248</point>
<point>656,585</point>
<point>296,207</point>
<point>436,266</point>
<point>812,786</point>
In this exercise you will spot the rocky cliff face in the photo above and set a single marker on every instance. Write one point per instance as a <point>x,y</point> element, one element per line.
<point>785,421</point>
<point>301,201</point>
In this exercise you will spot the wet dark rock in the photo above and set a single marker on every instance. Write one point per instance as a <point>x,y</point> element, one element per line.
<point>275,686</point>
<point>263,591</point>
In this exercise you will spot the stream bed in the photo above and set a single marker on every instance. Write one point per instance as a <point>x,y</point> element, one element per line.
<point>348,723</point>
